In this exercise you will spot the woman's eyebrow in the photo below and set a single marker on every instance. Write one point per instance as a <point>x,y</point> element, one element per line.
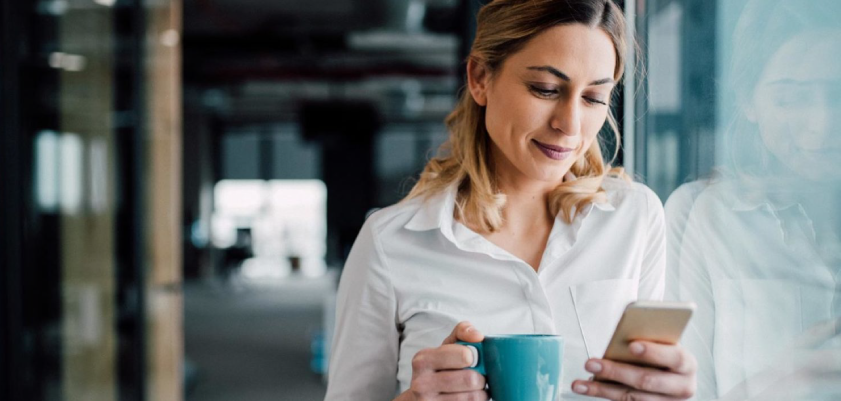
<point>806,82</point>
<point>554,71</point>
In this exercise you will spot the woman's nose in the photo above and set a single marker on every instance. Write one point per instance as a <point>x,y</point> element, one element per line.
<point>566,117</point>
<point>818,124</point>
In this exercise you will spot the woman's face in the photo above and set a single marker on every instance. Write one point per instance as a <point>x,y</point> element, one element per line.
<point>546,103</point>
<point>797,105</point>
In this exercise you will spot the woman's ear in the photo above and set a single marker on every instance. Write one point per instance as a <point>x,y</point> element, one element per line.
<point>478,78</point>
<point>748,108</point>
<point>750,112</point>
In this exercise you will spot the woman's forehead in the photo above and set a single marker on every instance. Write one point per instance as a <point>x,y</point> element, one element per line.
<point>810,57</point>
<point>580,52</point>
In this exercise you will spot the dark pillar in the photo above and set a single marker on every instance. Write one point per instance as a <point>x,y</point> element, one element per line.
<point>130,144</point>
<point>11,205</point>
<point>199,179</point>
<point>346,131</point>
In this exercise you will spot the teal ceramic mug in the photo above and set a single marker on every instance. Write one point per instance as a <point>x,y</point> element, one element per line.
<point>520,367</point>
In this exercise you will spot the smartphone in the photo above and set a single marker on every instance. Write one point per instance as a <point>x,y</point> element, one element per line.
<point>655,321</point>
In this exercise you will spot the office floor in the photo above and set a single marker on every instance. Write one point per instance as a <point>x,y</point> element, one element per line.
<point>252,342</point>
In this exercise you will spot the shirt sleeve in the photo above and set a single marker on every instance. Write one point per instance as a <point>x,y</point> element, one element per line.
<point>653,271</point>
<point>693,284</point>
<point>363,361</point>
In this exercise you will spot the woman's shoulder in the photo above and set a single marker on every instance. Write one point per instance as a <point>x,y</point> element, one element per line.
<point>393,217</point>
<point>686,194</point>
<point>713,194</point>
<point>622,193</point>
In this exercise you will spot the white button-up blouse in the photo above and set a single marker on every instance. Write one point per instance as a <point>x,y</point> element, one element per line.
<point>763,275</point>
<point>414,272</point>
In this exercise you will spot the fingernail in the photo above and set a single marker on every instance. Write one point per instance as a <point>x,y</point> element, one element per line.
<point>637,348</point>
<point>593,367</point>
<point>475,358</point>
<point>579,388</point>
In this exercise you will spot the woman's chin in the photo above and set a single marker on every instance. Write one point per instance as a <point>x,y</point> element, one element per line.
<point>550,177</point>
<point>817,170</point>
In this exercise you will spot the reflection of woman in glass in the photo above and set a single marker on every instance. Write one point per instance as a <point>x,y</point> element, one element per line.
<point>758,246</point>
<point>516,229</point>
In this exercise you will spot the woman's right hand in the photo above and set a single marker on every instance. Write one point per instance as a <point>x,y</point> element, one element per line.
<point>810,369</point>
<point>439,374</point>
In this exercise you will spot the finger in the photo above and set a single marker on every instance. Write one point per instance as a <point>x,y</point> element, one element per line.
<point>824,386</point>
<point>812,361</point>
<point>818,334</point>
<point>448,356</point>
<point>451,381</point>
<point>616,392</point>
<point>454,381</point>
<point>642,378</point>
<point>464,331</point>
<point>789,387</point>
<point>478,395</point>
<point>817,384</point>
<point>817,362</point>
<point>672,357</point>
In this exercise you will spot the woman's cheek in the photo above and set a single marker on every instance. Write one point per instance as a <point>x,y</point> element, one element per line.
<point>776,133</point>
<point>591,131</point>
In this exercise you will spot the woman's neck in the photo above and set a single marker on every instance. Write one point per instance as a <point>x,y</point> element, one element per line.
<point>527,219</point>
<point>527,201</point>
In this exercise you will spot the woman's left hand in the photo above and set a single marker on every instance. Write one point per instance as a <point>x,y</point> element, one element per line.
<point>676,381</point>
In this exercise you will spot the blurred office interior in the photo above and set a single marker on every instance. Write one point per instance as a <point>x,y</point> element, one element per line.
<point>181,180</point>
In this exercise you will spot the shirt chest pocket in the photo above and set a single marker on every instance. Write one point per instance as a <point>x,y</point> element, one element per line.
<point>599,306</point>
<point>747,310</point>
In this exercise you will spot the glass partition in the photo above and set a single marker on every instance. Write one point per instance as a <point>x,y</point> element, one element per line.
<point>738,136</point>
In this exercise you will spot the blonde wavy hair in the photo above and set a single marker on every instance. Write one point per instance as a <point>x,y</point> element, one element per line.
<point>503,28</point>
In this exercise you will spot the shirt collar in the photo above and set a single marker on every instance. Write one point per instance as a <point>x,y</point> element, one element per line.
<point>605,206</point>
<point>745,204</point>
<point>436,211</point>
<point>748,197</point>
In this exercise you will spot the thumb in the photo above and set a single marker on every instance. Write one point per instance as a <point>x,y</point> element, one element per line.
<point>818,334</point>
<point>464,331</point>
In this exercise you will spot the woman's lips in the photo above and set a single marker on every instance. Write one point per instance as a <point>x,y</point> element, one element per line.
<point>553,152</point>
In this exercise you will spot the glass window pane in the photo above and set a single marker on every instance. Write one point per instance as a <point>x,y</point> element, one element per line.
<point>740,141</point>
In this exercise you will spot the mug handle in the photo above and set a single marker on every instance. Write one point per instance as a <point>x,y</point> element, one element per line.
<point>478,358</point>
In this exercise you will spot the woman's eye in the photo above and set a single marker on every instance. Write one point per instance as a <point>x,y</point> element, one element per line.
<point>792,98</point>
<point>543,92</point>
<point>593,100</point>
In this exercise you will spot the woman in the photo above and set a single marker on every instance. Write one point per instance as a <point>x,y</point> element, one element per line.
<point>516,229</point>
<point>758,247</point>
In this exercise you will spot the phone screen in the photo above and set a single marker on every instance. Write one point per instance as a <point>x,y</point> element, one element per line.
<point>660,322</point>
